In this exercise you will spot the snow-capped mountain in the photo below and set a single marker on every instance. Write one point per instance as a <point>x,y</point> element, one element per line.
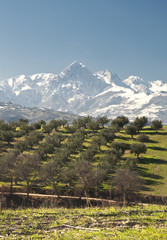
<point>137,84</point>
<point>80,91</point>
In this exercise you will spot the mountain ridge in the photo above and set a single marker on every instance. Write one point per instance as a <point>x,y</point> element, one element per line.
<point>76,89</point>
<point>12,112</point>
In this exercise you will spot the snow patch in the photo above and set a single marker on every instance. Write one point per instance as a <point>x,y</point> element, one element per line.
<point>21,79</point>
<point>10,82</point>
<point>158,86</point>
<point>26,87</point>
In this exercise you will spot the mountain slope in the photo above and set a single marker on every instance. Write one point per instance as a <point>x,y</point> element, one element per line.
<point>78,90</point>
<point>13,112</point>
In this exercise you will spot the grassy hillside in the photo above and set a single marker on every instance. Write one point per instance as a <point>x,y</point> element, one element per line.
<point>151,167</point>
<point>153,164</point>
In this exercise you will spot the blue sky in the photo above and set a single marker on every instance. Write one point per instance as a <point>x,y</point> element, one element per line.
<point>128,37</point>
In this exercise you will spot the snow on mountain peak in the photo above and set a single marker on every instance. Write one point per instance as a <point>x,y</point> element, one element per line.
<point>134,79</point>
<point>73,68</point>
<point>80,91</point>
<point>158,86</point>
<point>76,64</point>
<point>41,75</point>
<point>104,75</point>
<point>110,78</point>
<point>21,79</point>
<point>137,83</point>
<point>10,82</point>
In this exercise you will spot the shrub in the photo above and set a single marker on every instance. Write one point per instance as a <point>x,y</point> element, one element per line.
<point>143,138</point>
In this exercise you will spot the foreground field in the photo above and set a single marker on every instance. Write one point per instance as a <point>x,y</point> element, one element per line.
<point>137,222</point>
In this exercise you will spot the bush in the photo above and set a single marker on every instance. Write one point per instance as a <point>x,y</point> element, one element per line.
<point>143,138</point>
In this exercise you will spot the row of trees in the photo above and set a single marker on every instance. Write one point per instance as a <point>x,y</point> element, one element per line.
<point>82,158</point>
<point>8,130</point>
<point>66,176</point>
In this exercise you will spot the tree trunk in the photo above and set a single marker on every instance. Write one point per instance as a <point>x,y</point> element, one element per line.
<point>124,198</point>
<point>55,190</point>
<point>82,191</point>
<point>87,202</point>
<point>1,204</point>
<point>16,181</point>
<point>110,191</point>
<point>28,189</point>
<point>11,186</point>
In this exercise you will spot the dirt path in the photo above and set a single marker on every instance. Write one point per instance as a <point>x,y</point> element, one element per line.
<point>47,196</point>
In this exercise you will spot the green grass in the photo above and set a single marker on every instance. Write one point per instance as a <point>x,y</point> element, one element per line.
<point>137,222</point>
<point>153,164</point>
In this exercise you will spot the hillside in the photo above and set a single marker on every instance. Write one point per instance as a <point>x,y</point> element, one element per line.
<point>75,153</point>
<point>153,164</point>
<point>12,112</point>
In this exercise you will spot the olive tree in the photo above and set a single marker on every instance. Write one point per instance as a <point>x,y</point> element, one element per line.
<point>27,168</point>
<point>103,121</point>
<point>54,139</point>
<point>138,148</point>
<point>7,136</point>
<point>44,149</point>
<point>33,138</point>
<point>127,181</point>
<point>51,174</point>
<point>119,146</point>
<point>86,176</point>
<point>108,134</point>
<point>21,146</point>
<point>156,125</point>
<point>140,122</point>
<point>120,121</point>
<point>94,126</point>
<point>97,141</point>
<point>8,167</point>
<point>131,130</point>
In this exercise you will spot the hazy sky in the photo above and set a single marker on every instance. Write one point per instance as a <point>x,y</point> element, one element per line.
<point>128,37</point>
